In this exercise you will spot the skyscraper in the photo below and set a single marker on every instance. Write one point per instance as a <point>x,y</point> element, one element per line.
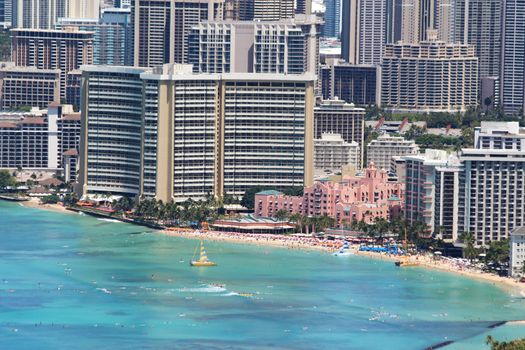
<point>37,14</point>
<point>66,50</point>
<point>273,10</point>
<point>479,23</point>
<point>112,35</point>
<point>364,31</point>
<point>429,76</point>
<point>332,19</point>
<point>252,46</point>
<point>83,8</point>
<point>6,13</point>
<point>161,28</point>
<point>513,57</point>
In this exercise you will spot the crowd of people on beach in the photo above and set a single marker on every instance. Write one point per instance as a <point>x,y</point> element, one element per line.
<point>289,241</point>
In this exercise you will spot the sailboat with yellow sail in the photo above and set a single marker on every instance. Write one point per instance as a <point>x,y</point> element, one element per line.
<point>203,258</point>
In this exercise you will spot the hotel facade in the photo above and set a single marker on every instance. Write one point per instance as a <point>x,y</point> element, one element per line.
<point>172,134</point>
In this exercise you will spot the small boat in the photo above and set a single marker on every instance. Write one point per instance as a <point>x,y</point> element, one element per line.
<point>406,263</point>
<point>203,259</point>
<point>343,252</point>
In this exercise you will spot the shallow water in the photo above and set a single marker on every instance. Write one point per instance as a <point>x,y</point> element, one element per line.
<point>71,281</point>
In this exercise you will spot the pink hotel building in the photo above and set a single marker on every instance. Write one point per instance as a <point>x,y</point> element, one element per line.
<point>354,198</point>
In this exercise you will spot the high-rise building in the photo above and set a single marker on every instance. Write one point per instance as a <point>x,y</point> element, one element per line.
<point>491,193</point>
<point>431,192</point>
<point>38,140</point>
<point>499,135</point>
<point>512,78</point>
<point>29,87</point>
<point>430,76</point>
<point>66,50</point>
<point>83,8</point>
<point>489,92</point>
<point>37,14</point>
<point>365,29</point>
<point>172,134</point>
<point>112,36</point>
<point>517,252</point>
<point>332,19</point>
<point>491,183</point>
<point>6,13</point>
<point>123,4</point>
<point>238,10</point>
<point>273,10</point>
<point>332,153</point>
<point>260,47</point>
<point>341,118</point>
<point>303,7</point>
<point>381,150</point>
<point>358,84</point>
<point>479,23</point>
<point>161,28</point>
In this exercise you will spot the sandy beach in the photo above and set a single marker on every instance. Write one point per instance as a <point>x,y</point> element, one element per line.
<point>307,243</point>
<point>35,203</point>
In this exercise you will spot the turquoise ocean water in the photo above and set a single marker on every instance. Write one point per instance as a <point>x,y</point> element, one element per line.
<point>73,282</point>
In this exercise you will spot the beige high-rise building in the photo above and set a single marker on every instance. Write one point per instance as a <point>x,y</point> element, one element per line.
<point>430,76</point>
<point>28,86</point>
<point>66,50</point>
<point>410,21</point>
<point>172,134</point>
<point>364,31</point>
<point>37,14</point>
<point>273,10</point>
<point>83,8</point>
<point>161,28</point>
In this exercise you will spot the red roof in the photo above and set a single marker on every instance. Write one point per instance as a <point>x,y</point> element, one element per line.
<point>5,125</point>
<point>50,182</point>
<point>73,116</point>
<point>71,152</point>
<point>33,120</point>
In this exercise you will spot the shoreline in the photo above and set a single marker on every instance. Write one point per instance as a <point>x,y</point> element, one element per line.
<point>511,286</point>
<point>35,204</point>
<point>508,284</point>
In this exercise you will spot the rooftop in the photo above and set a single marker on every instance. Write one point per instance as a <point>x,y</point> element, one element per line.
<point>269,193</point>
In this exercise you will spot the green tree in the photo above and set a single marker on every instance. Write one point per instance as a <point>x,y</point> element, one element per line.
<point>51,199</point>
<point>380,228</point>
<point>70,199</point>
<point>297,219</point>
<point>468,239</point>
<point>6,179</point>
<point>323,222</point>
<point>282,214</point>
<point>518,344</point>
<point>498,251</point>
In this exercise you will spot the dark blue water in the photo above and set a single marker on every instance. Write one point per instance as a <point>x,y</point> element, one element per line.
<point>74,282</point>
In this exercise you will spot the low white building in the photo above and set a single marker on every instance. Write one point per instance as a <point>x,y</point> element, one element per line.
<point>517,252</point>
<point>332,152</point>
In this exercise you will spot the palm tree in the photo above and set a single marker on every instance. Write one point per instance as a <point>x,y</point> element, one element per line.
<point>296,218</point>
<point>468,239</point>
<point>381,227</point>
<point>324,222</point>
